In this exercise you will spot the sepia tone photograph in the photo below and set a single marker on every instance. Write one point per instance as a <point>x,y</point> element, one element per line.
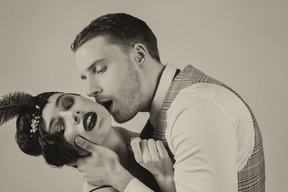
<point>104,95</point>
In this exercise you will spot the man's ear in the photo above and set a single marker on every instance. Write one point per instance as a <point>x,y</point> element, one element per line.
<point>140,53</point>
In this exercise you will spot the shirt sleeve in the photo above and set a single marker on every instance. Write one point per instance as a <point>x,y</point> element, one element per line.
<point>202,138</point>
<point>136,185</point>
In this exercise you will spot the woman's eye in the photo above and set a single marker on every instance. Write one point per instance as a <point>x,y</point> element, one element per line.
<point>67,102</point>
<point>61,128</point>
<point>101,70</point>
<point>58,128</point>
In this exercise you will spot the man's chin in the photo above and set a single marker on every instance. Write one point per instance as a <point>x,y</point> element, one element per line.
<point>121,118</point>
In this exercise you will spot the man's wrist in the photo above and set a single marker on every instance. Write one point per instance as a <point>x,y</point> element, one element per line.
<point>120,177</point>
<point>164,179</point>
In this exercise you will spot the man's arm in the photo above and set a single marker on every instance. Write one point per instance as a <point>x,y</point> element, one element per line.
<point>153,156</point>
<point>202,138</point>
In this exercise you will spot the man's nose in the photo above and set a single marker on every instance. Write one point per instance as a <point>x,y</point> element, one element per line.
<point>93,88</point>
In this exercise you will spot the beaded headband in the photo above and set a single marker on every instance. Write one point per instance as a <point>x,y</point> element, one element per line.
<point>15,104</point>
<point>34,125</point>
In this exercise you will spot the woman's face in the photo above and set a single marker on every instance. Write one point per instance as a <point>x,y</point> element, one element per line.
<point>75,115</point>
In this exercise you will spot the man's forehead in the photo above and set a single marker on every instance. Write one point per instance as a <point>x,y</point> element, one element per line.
<point>92,44</point>
<point>90,51</point>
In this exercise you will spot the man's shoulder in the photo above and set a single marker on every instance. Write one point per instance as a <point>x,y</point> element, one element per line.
<point>209,92</point>
<point>201,90</point>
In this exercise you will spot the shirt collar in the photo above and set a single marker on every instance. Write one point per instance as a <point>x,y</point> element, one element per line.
<point>163,87</point>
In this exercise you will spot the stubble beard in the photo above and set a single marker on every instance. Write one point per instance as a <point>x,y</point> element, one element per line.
<point>130,94</point>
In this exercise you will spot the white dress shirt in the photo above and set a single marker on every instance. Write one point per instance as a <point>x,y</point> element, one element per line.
<point>209,131</point>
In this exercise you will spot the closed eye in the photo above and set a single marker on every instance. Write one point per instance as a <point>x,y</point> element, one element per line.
<point>101,70</point>
<point>61,128</point>
<point>67,102</point>
<point>57,126</point>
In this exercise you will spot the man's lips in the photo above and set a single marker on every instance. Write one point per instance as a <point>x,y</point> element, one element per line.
<point>107,104</point>
<point>89,121</point>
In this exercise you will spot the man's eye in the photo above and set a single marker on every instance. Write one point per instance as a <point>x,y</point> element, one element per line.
<point>102,69</point>
<point>68,102</point>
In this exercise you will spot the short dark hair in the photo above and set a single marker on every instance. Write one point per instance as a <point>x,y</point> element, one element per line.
<point>120,29</point>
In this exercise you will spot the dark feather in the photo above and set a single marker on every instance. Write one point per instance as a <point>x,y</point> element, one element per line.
<point>12,104</point>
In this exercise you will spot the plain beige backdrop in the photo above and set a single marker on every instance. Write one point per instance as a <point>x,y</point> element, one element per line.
<point>242,43</point>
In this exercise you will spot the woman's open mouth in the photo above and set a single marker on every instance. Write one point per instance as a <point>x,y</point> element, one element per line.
<point>89,121</point>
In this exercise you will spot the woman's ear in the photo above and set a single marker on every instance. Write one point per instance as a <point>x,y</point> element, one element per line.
<point>140,53</point>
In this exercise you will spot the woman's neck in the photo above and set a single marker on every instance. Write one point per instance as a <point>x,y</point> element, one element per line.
<point>116,143</point>
<point>119,139</point>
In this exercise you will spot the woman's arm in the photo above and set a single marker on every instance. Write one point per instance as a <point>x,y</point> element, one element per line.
<point>153,156</point>
<point>90,188</point>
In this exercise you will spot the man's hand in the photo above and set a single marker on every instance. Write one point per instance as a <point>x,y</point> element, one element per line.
<point>153,156</point>
<point>102,167</point>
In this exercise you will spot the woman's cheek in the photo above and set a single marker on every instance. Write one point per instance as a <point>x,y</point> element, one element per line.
<point>70,136</point>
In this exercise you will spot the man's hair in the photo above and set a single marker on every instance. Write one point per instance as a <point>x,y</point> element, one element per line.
<point>120,29</point>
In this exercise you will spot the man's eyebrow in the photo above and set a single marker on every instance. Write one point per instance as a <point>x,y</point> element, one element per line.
<point>95,63</point>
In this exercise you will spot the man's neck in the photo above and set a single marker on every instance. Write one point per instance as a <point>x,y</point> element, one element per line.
<point>152,76</point>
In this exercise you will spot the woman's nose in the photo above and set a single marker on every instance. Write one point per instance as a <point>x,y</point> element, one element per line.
<point>76,117</point>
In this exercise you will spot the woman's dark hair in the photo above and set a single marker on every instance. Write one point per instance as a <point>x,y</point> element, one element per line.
<point>54,148</point>
<point>120,29</point>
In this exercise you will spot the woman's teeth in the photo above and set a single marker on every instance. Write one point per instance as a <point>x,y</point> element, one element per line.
<point>89,121</point>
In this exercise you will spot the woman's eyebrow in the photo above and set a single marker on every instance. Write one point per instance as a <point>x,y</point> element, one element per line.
<point>58,100</point>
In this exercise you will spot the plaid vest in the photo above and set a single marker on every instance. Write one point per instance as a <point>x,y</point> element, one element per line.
<point>252,177</point>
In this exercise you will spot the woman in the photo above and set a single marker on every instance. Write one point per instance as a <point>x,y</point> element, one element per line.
<point>48,124</point>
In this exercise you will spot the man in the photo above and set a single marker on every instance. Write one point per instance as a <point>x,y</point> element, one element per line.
<point>210,133</point>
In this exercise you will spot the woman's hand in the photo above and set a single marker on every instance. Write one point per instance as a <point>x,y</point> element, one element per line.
<point>153,156</point>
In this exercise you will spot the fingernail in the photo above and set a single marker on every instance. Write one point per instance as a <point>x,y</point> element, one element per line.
<point>77,140</point>
<point>132,138</point>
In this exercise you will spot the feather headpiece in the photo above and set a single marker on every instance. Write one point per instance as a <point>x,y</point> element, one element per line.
<point>13,104</point>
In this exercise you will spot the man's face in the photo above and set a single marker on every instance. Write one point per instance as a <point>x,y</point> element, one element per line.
<point>111,77</point>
